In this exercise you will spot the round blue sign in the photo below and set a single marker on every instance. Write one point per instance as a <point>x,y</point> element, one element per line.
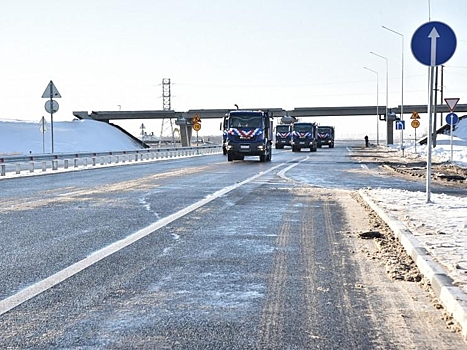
<point>452,119</point>
<point>433,43</point>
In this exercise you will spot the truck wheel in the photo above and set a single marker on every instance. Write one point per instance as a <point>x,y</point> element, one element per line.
<point>230,157</point>
<point>262,158</point>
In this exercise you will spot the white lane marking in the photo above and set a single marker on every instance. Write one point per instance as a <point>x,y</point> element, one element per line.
<point>282,172</point>
<point>51,281</point>
<point>364,166</point>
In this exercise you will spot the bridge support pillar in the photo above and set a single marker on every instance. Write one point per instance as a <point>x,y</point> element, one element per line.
<point>391,118</point>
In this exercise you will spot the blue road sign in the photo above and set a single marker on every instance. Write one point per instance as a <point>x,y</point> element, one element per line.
<point>452,119</point>
<point>433,43</point>
<point>400,124</point>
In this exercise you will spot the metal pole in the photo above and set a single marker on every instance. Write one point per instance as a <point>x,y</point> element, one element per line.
<point>43,134</point>
<point>429,138</point>
<point>402,85</point>
<point>387,84</point>
<point>441,89</point>
<point>435,108</point>
<point>415,141</point>
<point>377,104</point>
<point>51,116</point>
<point>451,139</point>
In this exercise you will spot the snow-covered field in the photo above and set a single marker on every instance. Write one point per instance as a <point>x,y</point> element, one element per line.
<point>21,137</point>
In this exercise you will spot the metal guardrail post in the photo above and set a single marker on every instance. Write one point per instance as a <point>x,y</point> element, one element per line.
<point>3,173</point>
<point>65,164</point>
<point>55,164</point>
<point>93,161</point>
<point>18,168</point>
<point>31,167</point>
<point>75,163</point>
<point>44,165</point>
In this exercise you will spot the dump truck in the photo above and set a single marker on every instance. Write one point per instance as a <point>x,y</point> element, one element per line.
<point>248,133</point>
<point>304,136</point>
<point>283,135</point>
<point>325,136</point>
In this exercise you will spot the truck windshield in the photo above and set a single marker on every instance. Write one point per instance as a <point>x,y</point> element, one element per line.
<point>303,127</point>
<point>245,121</point>
<point>324,130</point>
<point>282,128</point>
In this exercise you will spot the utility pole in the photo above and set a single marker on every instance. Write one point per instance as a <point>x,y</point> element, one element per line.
<point>166,106</point>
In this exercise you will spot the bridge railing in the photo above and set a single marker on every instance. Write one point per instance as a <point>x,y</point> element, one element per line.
<point>12,166</point>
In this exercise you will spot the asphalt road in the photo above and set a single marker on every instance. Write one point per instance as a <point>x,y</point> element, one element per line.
<point>201,253</point>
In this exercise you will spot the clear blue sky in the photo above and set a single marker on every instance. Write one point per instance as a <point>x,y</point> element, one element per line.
<point>296,53</point>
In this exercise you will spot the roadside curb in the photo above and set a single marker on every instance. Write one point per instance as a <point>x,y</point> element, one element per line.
<point>453,298</point>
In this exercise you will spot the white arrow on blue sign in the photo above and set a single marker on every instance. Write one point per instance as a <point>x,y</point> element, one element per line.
<point>433,43</point>
<point>400,124</point>
<point>452,119</point>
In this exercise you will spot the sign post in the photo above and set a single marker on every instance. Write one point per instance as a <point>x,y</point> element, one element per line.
<point>51,106</point>
<point>433,44</point>
<point>452,119</point>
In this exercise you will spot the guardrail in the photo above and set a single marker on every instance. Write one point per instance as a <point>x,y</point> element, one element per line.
<point>28,164</point>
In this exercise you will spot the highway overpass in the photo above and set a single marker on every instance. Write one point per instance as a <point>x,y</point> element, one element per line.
<point>106,116</point>
<point>184,119</point>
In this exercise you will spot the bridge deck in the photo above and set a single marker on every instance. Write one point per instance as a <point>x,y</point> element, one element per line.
<point>278,112</point>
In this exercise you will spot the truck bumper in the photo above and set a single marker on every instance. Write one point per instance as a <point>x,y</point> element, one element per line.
<point>247,149</point>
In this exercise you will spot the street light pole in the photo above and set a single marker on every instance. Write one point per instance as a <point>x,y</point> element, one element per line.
<point>377,104</point>
<point>387,83</point>
<point>402,87</point>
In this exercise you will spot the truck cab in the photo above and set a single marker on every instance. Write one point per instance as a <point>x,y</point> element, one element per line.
<point>325,136</point>
<point>248,133</point>
<point>304,136</point>
<point>283,135</point>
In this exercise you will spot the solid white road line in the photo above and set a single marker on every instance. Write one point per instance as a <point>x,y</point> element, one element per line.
<point>41,286</point>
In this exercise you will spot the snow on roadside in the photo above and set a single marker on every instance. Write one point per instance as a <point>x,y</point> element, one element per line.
<point>440,225</point>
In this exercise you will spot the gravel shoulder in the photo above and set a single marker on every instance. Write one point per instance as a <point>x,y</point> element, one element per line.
<point>403,303</point>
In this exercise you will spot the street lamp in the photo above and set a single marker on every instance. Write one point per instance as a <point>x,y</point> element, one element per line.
<point>387,79</point>
<point>377,104</point>
<point>402,87</point>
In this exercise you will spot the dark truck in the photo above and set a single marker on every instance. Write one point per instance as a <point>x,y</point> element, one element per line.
<point>304,136</point>
<point>249,133</point>
<point>283,135</point>
<point>326,136</point>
